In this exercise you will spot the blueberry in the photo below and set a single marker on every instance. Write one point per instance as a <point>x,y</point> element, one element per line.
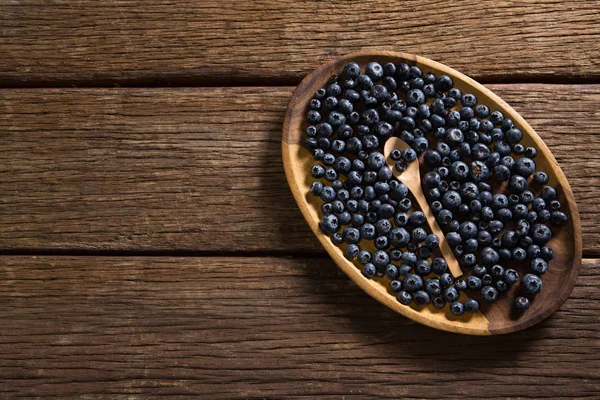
<point>432,179</point>
<point>471,305</point>
<point>501,173</point>
<point>489,256</point>
<point>351,235</point>
<point>451,294</point>
<point>396,285</point>
<point>544,216</point>
<point>443,83</point>
<point>471,245</point>
<point>459,170</point>
<point>479,271</point>
<point>317,171</point>
<point>381,242</point>
<point>468,100</point>
<point>420,144</point>
<point>519,254</point>
<point>474,283</point>
<point>538,266</point>
<point>522,303</point>
<point>331,175</point>
<point>380,258</point>
<point>524,166</point>
<point>484,238</point>
<point>405,204</point>
<point>460,285</point>
<point>401,219</point>
<point>331,102</point>
<point>438,302</point>
<point>344,218</point>
<point>418,235</point>
<point>432,241</point>
<point>541,178</point>
<point>421,298</point>
<point>423,267</point>
<point>531,284</point>
<point>502,148</point>
<point>454,136</point>
<point>439,266</point>
<point>530,152</point>
<point>546,253</point>
<point>367,231</point>
<point>404,297</point>
<point>413,283</point>
<point>518,149</point>
<point>541,234</point>
<point>336,238</point>
<point>451,200</point>
<point>489,294</point>
<point>511,276</point>
<point>316,188</point>
<point>548,193</point>
<point>369,270</point>
<point>479,171</point>
<point>520,211</point>
<point>457,308</point>
<point>391,271</point>
<point>444,217</point>
<point>404,269</point>
<point>351,251</point>
<point>399,237</point>
<point>467,230</point>
<point>415,97</point>
<point>389,69</point>
<point>505,254</point>
<point>446,280</point>
<point>469,191</point>
<point>409,155</point>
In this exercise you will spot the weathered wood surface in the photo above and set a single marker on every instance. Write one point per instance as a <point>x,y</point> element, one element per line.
<point>199,169</point>
<point>198,42</point>
<point>264,328</point>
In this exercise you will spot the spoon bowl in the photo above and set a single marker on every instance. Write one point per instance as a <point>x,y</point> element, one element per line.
<point>496,318</point>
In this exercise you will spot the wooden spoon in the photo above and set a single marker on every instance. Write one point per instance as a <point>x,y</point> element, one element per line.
<point>411,177</point>
<point>496,318</point>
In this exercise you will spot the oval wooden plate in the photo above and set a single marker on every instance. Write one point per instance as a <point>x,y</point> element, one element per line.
<point>497,318</point>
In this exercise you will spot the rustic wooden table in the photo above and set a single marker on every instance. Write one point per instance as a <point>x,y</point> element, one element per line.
<point>151,247</point>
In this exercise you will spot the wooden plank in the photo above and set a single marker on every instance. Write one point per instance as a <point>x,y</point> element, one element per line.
<point>150,42</point>
<point>264,328</point>
<point>199,169</point>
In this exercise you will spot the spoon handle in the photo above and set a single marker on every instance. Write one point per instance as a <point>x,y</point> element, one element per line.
<point>447,253</point>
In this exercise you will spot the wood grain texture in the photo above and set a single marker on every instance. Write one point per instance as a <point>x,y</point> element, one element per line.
<point>191,42</point>
<point>263,328</point>
<point>199,169</point>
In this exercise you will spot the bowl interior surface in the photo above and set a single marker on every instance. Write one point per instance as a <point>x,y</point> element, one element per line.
<point>497,318</point>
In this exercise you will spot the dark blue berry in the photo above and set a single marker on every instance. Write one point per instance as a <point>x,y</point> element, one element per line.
<point>522,303</point>
<point>450,294</point>
<point>513,135</point>
<point>489,294</point>
<point>369,270</point>
<point>531,284</point>
<point>404,297</point>
<point>538,266</point>
<point>421,298</point>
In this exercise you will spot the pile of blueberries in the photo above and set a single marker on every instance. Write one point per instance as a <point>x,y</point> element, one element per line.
<point>480,181</point>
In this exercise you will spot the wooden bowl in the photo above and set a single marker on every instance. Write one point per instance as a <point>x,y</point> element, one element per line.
<point>497,318</point>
